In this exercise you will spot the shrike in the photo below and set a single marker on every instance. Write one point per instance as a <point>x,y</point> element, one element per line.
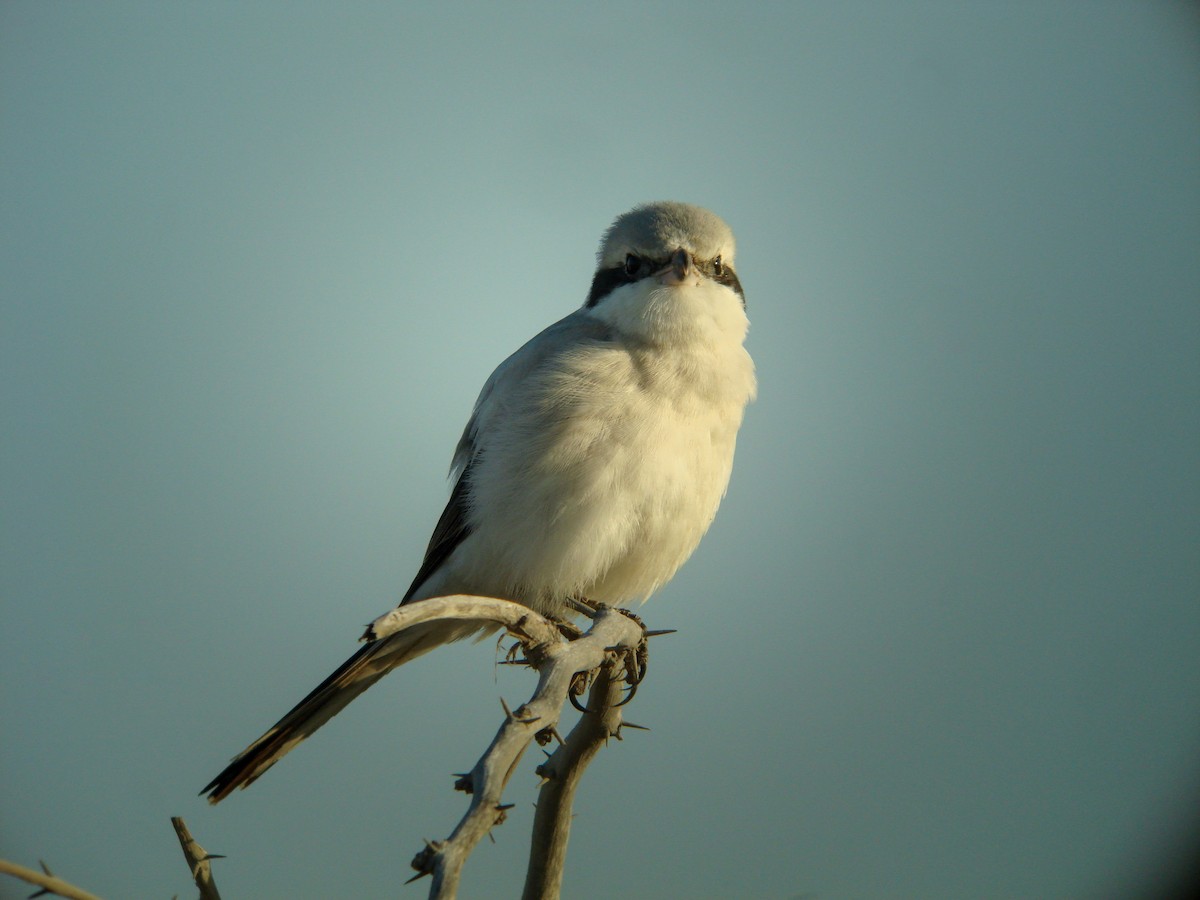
<point>594,460</point>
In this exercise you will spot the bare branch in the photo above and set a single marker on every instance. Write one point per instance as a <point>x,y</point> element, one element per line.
<point>562,773</point>
<point>611,653</point>
<point>46,880</point>
<point>520,620</point>
<point>197,860</point>
<point>611,635</point>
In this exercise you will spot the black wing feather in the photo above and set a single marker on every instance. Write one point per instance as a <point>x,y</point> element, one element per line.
<point>451,530</point>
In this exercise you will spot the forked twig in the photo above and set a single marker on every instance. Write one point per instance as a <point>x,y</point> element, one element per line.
<point>611,635</point>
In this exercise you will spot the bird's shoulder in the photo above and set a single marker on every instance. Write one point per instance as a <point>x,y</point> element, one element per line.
<point>571,335</point>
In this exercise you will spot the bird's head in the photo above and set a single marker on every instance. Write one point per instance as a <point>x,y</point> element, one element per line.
<point>652,258</point>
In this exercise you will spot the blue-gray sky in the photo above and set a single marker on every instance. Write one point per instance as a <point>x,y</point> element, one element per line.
<point>258,258</point>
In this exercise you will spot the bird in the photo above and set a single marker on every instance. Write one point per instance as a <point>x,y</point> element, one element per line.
<point>593,462</point>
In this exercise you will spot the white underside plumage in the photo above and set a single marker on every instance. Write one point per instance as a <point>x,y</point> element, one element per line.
<point>597,457</point>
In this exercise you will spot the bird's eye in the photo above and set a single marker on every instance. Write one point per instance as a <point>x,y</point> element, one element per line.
<point>718,267</point>
<point>632,265</point>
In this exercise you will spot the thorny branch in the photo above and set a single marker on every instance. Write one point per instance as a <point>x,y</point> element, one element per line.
<point>197,860</point>
<point>609,655</point>
<point>606,650</point>
<point>50,884</point>
<point>46,880</point>
<point>561,774</point>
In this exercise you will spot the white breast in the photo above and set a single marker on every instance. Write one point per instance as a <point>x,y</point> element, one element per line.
<point>598,470</point>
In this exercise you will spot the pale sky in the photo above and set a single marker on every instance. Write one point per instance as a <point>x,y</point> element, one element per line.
<point>258,258</point>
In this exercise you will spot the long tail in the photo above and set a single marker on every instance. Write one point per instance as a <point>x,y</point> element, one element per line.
<point>330,697</point>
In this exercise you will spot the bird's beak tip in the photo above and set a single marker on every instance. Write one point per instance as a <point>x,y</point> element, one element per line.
<point>678,269</point>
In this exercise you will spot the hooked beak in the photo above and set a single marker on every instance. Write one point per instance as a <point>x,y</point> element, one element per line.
<point>678,269</point>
